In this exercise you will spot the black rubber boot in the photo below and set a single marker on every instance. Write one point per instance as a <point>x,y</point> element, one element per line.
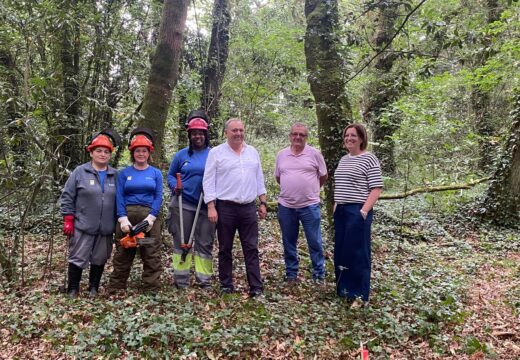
<point>74,279</point>
<point>94,279</point>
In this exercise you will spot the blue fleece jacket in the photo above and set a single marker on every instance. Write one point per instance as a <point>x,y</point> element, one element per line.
<point>192,171</point>
<point>139,187</point>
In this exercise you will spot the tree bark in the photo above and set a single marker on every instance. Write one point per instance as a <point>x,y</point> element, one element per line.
<point>69,126</point>
<point>381,91</point>
<point>164,70</point>
<point>502,203</point>
<point>327,81</point>
<point>480,98</point>
<point>19,144</point>
<point>216,65</point>
<point>182,105</point>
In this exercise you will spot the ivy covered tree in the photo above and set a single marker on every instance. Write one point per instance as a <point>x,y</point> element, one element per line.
<point>502,202</point>
<point>327,80</point>
<point>383,88</point>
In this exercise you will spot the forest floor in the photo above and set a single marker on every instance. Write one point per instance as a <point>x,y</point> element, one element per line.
<point>440,290</point>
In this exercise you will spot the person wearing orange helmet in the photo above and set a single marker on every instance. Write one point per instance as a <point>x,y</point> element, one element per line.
<point>139,198</point>
<point>190,163</point>
<point>89,213</point>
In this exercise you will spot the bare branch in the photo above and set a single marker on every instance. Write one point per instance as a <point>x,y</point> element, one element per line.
<point>388,44</point>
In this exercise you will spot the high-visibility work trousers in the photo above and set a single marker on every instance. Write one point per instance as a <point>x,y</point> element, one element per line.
<point>204,237</point>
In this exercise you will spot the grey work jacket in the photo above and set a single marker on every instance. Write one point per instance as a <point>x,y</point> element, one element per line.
<point>94,210</point>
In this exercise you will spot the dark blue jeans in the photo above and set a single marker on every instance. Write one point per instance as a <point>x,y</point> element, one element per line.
<point>352,251</point>
<point>310,218</point>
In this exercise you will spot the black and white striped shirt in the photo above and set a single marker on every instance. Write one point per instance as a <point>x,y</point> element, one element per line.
<point>355,177</point>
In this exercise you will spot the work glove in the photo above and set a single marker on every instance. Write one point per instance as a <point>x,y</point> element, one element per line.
<point>68,225</point>
<point>125,224</point>
<point>150,218</point>
<point>178,191</point>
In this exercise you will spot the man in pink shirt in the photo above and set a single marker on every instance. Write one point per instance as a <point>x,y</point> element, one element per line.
<point>300,171</point>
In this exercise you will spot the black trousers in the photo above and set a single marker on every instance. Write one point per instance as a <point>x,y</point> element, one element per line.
<point>241,217</point>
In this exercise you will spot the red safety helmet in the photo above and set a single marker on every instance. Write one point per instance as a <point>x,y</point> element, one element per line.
<point>141,140</point>
<point>201,114</point>
<point>100,141</point>
<point>197,124</point>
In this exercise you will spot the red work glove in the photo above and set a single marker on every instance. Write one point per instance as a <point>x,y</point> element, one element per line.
<point>68,224</point>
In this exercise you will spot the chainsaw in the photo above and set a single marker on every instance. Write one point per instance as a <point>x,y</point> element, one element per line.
<point>136,237</point>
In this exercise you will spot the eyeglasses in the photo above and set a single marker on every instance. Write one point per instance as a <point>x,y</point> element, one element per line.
<point>299,134</point>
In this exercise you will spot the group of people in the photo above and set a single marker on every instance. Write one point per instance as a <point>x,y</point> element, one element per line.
<point>218,191</point>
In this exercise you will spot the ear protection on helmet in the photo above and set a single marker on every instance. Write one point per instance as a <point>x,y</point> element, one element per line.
<point>110,140</point>
<point>201,114</point>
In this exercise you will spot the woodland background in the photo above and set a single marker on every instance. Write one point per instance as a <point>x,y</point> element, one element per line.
<point>437,84</point>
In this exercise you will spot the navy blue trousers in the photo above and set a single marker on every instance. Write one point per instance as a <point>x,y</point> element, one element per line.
<point>352,253</point>
<point>241,217</point>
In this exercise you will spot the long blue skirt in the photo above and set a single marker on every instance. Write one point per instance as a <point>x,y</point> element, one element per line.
<point>352,253</point>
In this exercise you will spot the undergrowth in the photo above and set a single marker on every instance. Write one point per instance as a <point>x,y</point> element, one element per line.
<point>420,276</point>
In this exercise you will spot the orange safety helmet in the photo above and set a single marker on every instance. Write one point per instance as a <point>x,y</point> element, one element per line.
<point>100,141</point>
<point>197,124</point>
<point>141,140</point>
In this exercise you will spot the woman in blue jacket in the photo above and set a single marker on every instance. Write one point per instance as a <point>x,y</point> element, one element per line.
<point>89,215</point>
<point>190,163</point>
<point>139,198</point>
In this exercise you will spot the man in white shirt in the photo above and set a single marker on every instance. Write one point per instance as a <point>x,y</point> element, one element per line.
<point>233,179</point>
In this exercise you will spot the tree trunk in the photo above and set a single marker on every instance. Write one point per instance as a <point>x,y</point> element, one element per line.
<point>182,105</point>
<point>216,65</point>
<point>69,126</point>
<point>327,81</point>
<point>19,144</point>
<point>164,70</point>
<point>480,98</point>
<point>502,203</point>
<point>381,91</point>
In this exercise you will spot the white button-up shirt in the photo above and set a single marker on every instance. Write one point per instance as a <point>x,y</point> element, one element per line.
<point>233,177</point>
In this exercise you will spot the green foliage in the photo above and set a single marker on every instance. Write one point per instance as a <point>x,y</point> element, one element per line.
<point>265,82</point>
<point>422,264</point>
<point>473,345</point>
<point>418,295</point>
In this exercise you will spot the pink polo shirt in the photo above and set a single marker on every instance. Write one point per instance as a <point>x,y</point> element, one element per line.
<point>299,176</point>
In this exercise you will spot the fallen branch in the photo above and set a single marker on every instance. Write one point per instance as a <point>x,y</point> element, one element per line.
<point>272,206</point>
<point>430,189</point>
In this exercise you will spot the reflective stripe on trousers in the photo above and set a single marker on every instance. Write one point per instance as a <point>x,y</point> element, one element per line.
<point>181,270</point>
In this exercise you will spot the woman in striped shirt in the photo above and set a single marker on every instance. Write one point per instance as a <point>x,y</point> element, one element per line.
<point>357,186</point>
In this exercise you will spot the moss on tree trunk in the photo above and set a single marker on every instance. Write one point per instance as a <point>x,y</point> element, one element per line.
<point>327,80</point>
<point>164,71</point>
<point>381,90</point>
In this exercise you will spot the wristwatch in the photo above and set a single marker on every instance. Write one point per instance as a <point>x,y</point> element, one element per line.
<point>263,203</point>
